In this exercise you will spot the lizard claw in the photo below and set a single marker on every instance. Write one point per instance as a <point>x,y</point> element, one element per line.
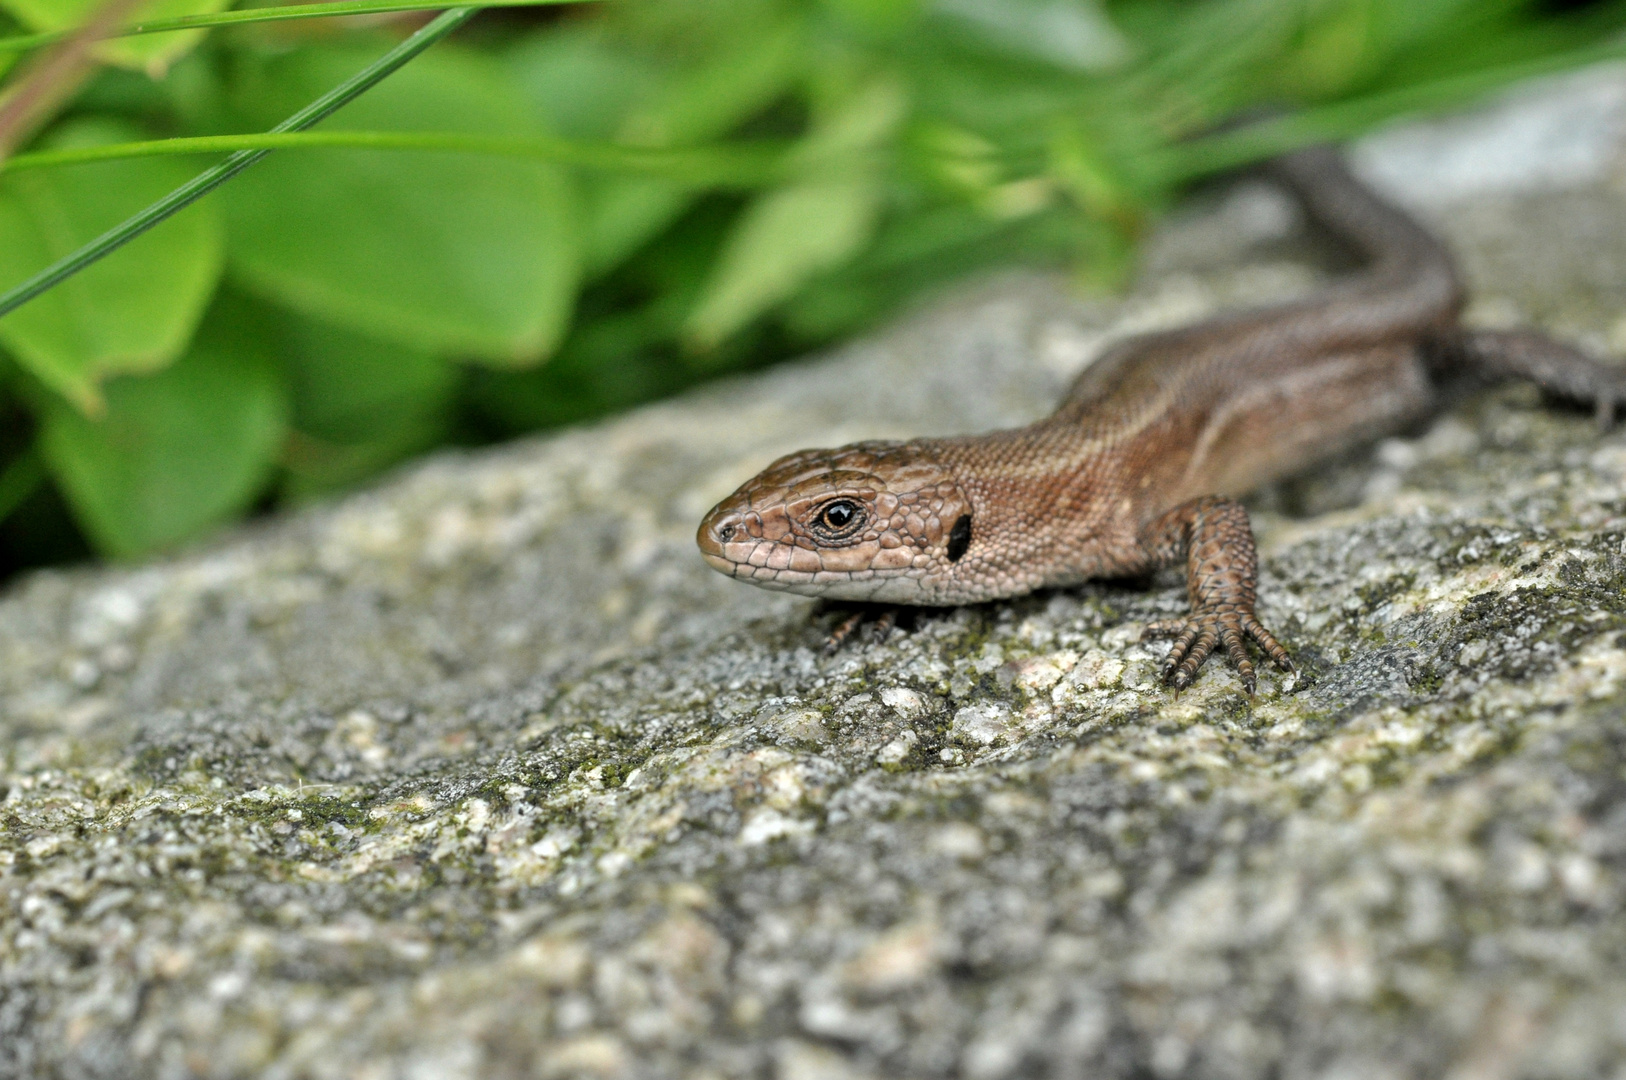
<point>883,620</point>
<point>1197,635</point>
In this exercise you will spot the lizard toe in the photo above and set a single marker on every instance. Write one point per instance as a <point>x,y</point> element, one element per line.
<point>850,627</point>
<point>1201,646</point>
<point>1162,629</point>
<point>843,630</point>
<point>1178,651</point>
<point>1200,634</point>
<point>1266,641</point>
<point>1231,638</point>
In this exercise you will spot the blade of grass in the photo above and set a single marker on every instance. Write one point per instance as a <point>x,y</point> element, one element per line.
<point>740,165</point>
<point>210,179</point>
<point>24,42</point>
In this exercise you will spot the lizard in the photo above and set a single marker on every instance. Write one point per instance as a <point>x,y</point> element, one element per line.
<point>1139,466</point>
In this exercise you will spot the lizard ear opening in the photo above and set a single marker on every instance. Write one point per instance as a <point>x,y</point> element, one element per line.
<point>959,538</point>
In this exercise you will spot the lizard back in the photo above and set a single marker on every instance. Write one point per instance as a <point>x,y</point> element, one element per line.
<point>1240,400</point>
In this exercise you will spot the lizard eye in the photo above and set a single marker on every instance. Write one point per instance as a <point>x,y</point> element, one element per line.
<point>838,519</point>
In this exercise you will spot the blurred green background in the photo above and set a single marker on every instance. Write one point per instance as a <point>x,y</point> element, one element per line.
<point>333,312</point>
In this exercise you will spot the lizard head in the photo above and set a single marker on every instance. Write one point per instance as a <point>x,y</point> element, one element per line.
<point>881,521</point>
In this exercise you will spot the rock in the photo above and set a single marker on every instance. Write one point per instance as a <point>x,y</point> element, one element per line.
<point>483,773</point>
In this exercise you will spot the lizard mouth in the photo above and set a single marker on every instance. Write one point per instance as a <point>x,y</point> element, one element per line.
<point>731,544</point>
<point>719,563</point>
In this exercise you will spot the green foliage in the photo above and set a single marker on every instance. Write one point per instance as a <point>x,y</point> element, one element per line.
<point>360,404</point>
<point>134,311</point>
<point>179,451</point>
<point>788,235</point>
<point>153,54</point>
<point>378,302</point>
<point>471,256</point>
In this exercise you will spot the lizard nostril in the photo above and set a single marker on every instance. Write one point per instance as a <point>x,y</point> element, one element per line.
<point>725,533</point>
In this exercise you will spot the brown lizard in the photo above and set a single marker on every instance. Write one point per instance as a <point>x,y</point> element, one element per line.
<point>1136,468</point>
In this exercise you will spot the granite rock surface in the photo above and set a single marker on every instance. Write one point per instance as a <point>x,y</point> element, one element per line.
<point>484,774</point>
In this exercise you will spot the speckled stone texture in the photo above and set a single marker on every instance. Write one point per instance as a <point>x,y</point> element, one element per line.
<point>484,774</point>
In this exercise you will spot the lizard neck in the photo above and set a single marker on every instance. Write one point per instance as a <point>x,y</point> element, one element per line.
<point>1053,504</point>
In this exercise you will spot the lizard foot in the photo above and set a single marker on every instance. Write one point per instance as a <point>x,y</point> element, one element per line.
<point>1196,635</point>
<point>1552,365</point>
<point>884,621</point>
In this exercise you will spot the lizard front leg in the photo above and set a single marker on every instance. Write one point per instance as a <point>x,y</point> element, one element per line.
<point>1212,536</point>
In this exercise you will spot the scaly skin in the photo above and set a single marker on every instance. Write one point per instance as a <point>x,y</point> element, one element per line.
<point>1130,473</point>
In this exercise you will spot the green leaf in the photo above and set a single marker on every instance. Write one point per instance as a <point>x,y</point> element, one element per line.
<point>360,406</point>
<point>876,18</point>
<point>454,253</point>
<point>152,54</point>
<point>729,86</point>
<point>134,310</point>
<point>622,213</point>
<point>1073,34</point>
<point>316,467</point>
<point>585,87</point>
<point>350,388</point>
<point>791,235</point>
<point>579,84</point>
<point>783,239</point>
<point>605,366</point>
<point>581,87</point>
<point>19,479</point>
<point>176,452</point>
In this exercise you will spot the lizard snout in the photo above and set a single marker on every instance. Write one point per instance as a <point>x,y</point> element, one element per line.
<point>718,530</point>
<point>725,538</point>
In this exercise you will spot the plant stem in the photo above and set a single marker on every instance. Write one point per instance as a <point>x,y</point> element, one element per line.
<point>207,181</point>
<point>741,165</point>
<point>51,78</point>
<point>24,42</point>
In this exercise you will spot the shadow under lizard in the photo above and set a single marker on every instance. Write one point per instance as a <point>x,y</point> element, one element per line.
<point>1135,469</point>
